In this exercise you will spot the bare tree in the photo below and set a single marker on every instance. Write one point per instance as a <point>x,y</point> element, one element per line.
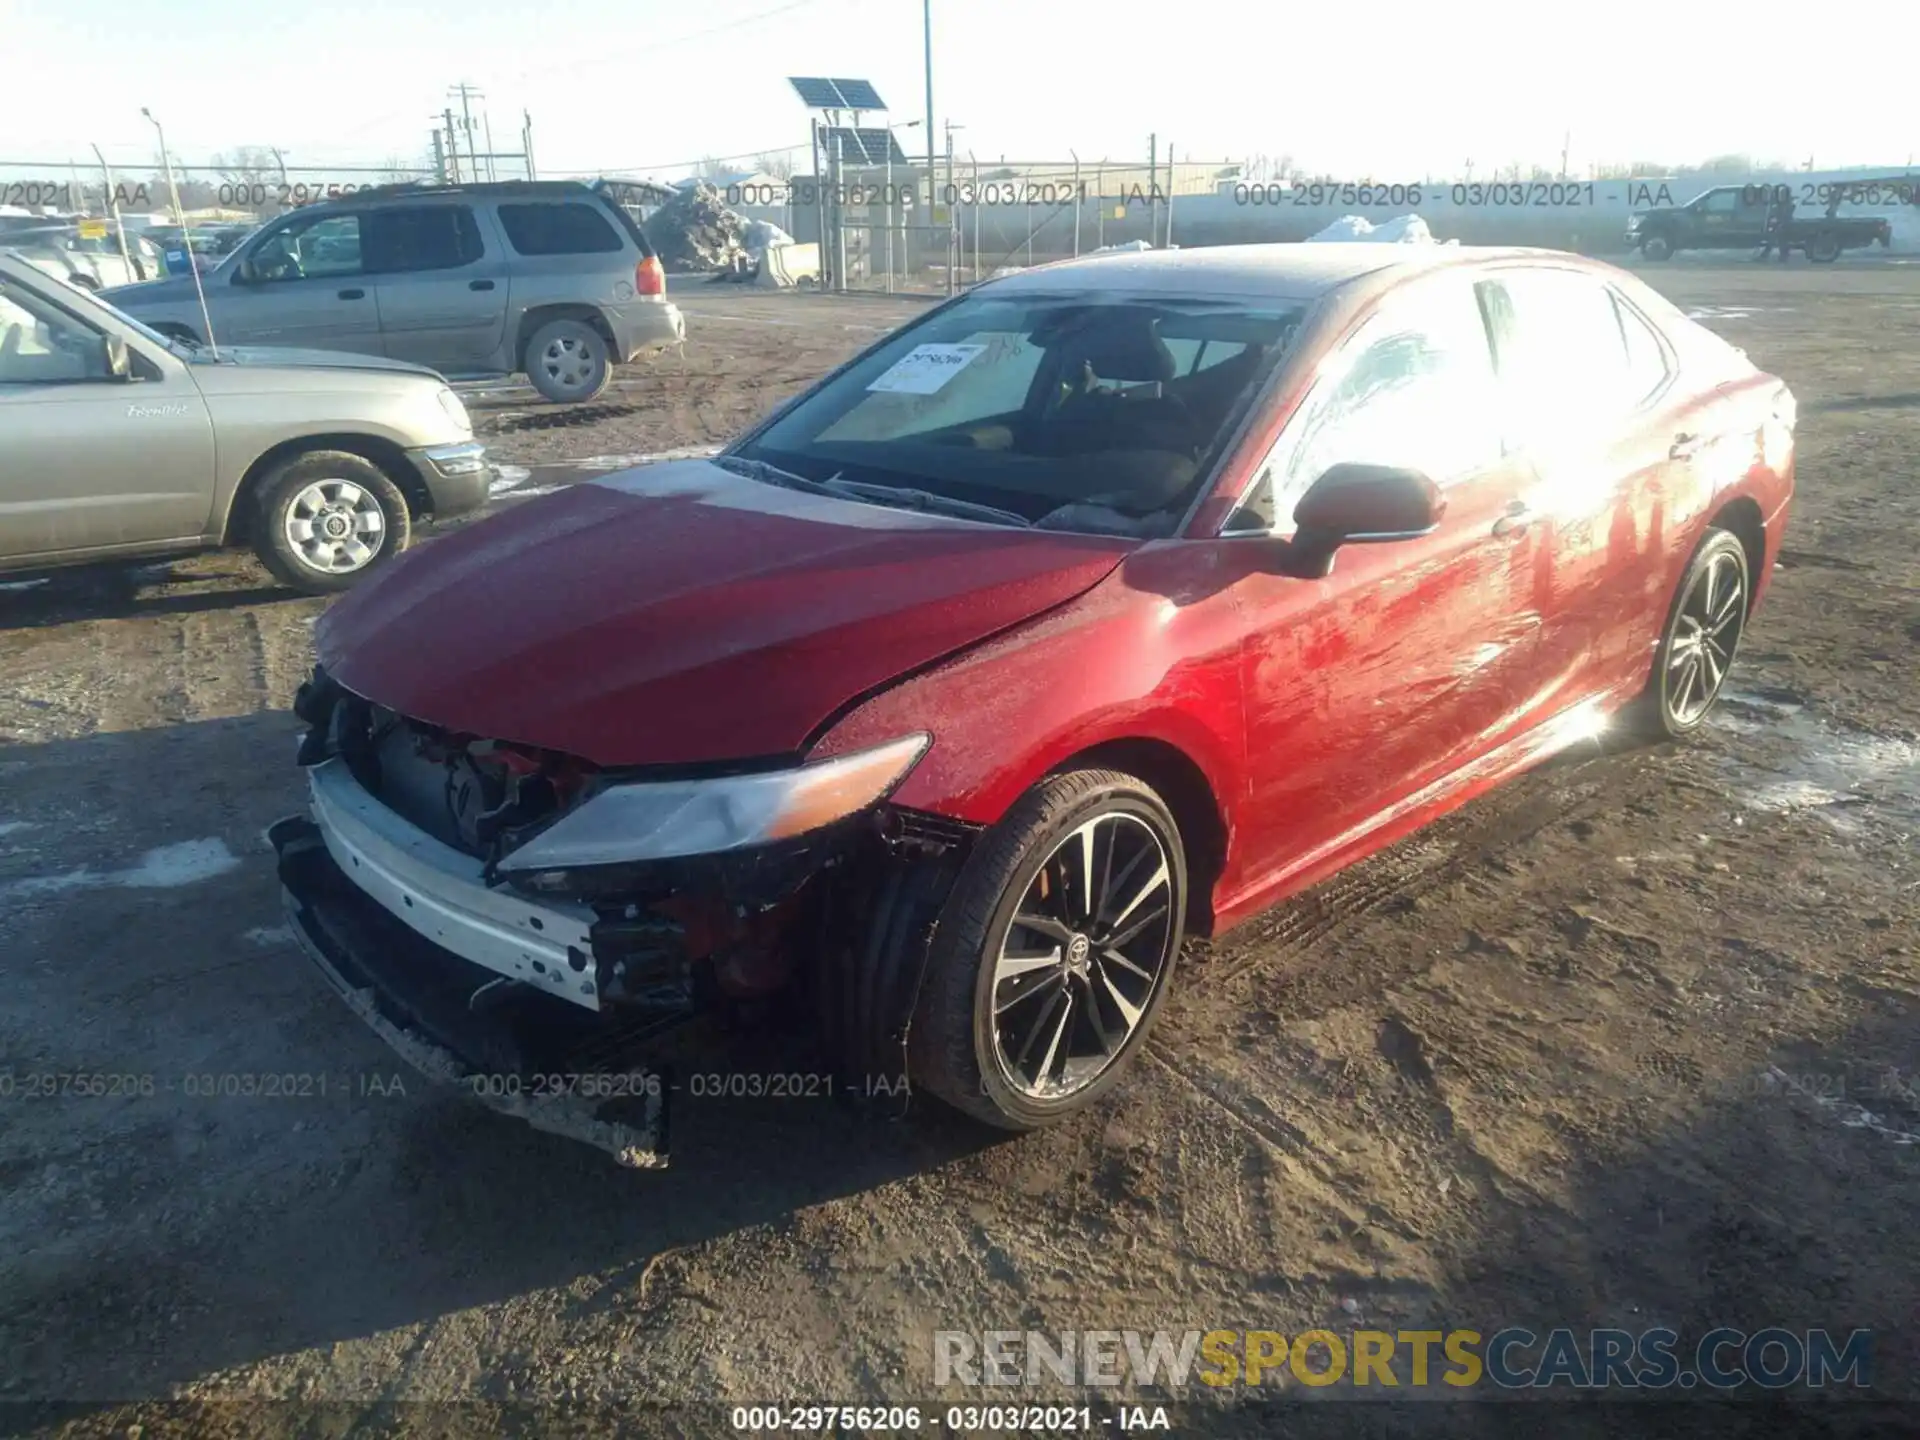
<point>396,171</point>
<point>248,166</point>
<point>712,168</point>
<point>778,164</point>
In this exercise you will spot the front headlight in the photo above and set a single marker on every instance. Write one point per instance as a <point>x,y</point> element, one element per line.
<point>456,411</point>
<point>664,820</point>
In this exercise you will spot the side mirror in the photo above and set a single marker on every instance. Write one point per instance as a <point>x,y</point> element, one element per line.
<point>1360,505</point>
<point>114,357</point>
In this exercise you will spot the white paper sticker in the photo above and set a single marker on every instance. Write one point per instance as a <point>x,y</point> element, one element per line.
<point>925,369</point>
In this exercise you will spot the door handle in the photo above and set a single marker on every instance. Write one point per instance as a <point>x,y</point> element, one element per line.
<point>1684,446</point>
<point>1515,521</point>
<point>353,294</point>
<point>479,284</point>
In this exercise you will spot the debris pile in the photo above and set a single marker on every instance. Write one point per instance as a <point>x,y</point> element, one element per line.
<point>1404,230</point>
<point>696,233</point>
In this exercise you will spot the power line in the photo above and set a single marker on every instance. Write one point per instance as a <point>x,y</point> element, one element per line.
<point>682,164</point>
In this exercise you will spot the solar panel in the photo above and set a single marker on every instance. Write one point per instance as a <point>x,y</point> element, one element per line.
<point>865,146</point>
<point>817,92</point>
<point>859,94</point>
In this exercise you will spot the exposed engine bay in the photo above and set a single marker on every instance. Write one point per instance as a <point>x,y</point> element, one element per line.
<point>838,916</point>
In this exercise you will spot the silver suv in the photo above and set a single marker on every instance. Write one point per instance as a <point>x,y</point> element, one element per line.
<point>118,443</point>
<point>550,279</point>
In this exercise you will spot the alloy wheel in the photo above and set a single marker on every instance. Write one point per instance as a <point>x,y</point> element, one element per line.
<point>570,361</point>
<point>1082,956</point>
<point>335,526</point>
<point>1706,633</point>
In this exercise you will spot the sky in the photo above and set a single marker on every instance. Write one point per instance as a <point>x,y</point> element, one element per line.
<point>1379,89</point>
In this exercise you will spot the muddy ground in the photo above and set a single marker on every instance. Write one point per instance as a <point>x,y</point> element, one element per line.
<point>1634,1041</point>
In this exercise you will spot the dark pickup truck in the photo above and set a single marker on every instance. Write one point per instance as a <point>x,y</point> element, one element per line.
<point>1735,217</point>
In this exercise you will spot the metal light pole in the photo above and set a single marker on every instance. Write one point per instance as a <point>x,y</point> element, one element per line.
<point>892,201</point>
<point>186,235</point>
<point>926,27</point>
<point>926,30</point>
<point>113,209</point>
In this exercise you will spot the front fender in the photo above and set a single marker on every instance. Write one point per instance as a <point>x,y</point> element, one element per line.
<point>1125,662</point>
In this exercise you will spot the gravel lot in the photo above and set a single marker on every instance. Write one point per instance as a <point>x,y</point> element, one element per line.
<point>1634,1041</point>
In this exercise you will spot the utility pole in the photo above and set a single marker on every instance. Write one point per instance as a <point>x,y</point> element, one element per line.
<point>453,145</point>
<point>467,95</point>
<point>526,141</point>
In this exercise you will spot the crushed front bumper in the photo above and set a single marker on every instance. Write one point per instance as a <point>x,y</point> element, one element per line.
<point>559,1068</point>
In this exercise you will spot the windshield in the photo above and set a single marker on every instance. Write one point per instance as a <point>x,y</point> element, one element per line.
<point>1082,411</point>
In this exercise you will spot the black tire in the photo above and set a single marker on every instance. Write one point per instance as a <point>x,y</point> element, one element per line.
<point>1656,247</point>
<point>1823,249</point>
<point>1663,710</point>
<point>952,1050</point>
<point>568,361</point>
<point>292,482</point>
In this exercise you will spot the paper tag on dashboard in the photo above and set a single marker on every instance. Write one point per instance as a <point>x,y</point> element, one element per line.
<point>925,369</point>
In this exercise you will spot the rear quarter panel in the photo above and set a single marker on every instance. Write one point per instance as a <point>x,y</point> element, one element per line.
<point>1751,454</point>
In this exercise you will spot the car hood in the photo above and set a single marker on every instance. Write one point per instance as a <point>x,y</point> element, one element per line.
<point>256,357</point>
<point>681,614</point>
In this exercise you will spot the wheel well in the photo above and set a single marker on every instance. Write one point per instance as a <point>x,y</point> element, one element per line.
<point>1183,785</point>
<point>1741,517</point>
<point>391,459</point>
<point>534,319</point>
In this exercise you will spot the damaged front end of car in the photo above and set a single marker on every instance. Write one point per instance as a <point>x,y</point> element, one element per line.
<point>553,936</point>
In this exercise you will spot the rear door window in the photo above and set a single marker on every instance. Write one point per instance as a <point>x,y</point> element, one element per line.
<point>407,238</point>
<point>1413,387</point>
<point>1565,366</point>
<point>566,228</point>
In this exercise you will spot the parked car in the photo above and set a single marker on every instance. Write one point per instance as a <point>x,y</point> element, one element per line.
<point>550,279</point>
<point>1735,217</point>
<point>1108,603</point>
<point>119,443</point>
<point>90,262</point>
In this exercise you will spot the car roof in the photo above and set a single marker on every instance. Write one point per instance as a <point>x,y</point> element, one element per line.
<point>1299,271</point>
<point>473,190</point>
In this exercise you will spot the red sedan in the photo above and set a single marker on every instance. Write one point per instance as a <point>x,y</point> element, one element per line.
<point>1110,602</point>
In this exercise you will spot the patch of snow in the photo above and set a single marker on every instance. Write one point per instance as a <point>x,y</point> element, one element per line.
<point>506,477</point>
<point>22,584</point>
<point>8,827</point>
<point>1402,230</point>
<point>267,936</point>
<point>166,868</point>
<point>1851,1116</point>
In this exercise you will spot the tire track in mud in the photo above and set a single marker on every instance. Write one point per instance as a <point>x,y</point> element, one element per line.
<point>1410,869</point>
